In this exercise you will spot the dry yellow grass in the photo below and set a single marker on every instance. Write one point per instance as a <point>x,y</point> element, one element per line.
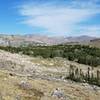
<point>41,89</point>
<point>10,89</point>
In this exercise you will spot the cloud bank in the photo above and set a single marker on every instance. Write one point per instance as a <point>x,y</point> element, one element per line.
<point>61,18</point>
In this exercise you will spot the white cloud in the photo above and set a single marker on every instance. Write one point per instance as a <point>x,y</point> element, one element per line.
<point>56,19</point>
<point>90,30</point>
<point>85,3</point>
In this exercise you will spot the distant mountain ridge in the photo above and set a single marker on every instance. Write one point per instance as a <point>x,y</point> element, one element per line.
<point>18,40</point>
<point>95,42</point>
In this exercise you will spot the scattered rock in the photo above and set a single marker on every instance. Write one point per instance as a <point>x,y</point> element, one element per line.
<point>25,85</point>
<point>5,79</point>
<point>11,74</point>
<point>18,97</point>
<point>58,93</point>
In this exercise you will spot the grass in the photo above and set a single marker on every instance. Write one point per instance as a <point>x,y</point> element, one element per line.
<point>50,62</point>
<point>41,89</point>
<point>9,89</point>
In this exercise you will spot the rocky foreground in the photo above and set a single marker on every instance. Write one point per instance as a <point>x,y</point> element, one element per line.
<point>27,78</point>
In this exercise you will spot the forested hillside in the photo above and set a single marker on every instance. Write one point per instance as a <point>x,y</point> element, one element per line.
<point>78,53</point>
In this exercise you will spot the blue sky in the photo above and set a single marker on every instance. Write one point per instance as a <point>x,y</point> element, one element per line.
<point>50,17</point>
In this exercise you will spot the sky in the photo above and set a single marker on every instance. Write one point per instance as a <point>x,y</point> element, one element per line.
<point>50,17</point>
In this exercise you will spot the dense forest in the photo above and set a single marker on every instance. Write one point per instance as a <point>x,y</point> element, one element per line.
<point>79,53</point>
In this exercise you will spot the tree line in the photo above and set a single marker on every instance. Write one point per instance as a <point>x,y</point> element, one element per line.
<point>79,53</point>
<point>91,77</point>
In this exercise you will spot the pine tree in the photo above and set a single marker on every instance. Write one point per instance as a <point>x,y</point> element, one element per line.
<point>88,74</point>
<point>81,75</point>
<point>71,72</point>
<point>77,76</point>
<point>98,77</point>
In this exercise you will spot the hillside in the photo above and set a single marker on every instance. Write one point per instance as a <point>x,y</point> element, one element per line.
<point>39,89</point>
<point>28,78</point>
<point>95,43</point>
<point>29,39</point>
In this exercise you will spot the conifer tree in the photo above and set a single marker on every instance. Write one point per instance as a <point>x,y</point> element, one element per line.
<point>88,74</point>
<point>98,77</point>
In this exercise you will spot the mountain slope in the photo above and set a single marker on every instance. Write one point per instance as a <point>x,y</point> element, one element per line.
<point>95,42</point>
<point>26,78</point>
<point>18,40</point>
